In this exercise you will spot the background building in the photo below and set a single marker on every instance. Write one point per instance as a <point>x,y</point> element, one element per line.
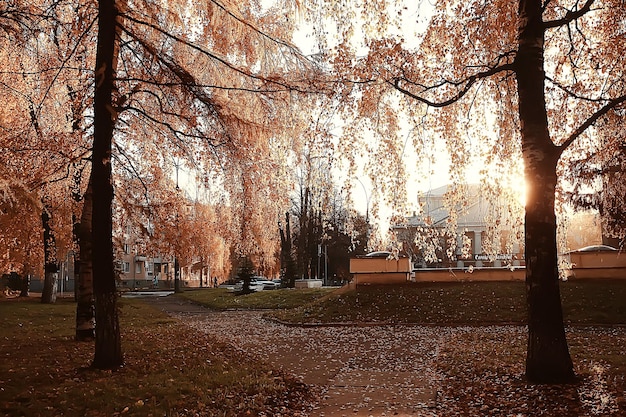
<point>136,270</point>
<point>487,231</point>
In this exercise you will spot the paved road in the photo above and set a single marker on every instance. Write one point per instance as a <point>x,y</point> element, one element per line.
<point>362,371</point>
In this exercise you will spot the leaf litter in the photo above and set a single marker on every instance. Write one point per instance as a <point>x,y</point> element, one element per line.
<point>413,370</point>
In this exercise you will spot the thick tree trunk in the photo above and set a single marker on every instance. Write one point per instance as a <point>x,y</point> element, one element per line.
<point>548,359</point>
<point>85,314</point>
<point>51,267</point>
<point>108,347</point>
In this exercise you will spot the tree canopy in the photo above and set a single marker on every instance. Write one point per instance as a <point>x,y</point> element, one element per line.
<point>121,94</point>
<point>530,80</point>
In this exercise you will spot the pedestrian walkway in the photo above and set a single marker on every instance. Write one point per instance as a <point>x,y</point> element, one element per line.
<point>360,370</point>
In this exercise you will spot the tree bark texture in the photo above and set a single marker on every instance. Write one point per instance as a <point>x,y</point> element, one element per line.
<point>51,267</point>
<point>548,359</point>
<point>108,350</point>
<point>85,308</point>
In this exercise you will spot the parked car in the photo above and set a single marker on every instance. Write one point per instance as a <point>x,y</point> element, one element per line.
<point>228,285</point>
<point>595,248</point>
<point>265,283</point>
<point>258,283</point>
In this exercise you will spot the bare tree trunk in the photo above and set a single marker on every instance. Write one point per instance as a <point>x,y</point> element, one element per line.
<point>25,289</point>
<point>177,288</point>
<point>51,267</point>
<point>548,359</point>
<point>108,346</point>
<point>85,314</point>
<point>287,263</point>
<point>26,272</point>
<point>202,271</point>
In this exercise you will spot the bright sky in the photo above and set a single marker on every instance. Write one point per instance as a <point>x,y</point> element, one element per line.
<point>414,17</point>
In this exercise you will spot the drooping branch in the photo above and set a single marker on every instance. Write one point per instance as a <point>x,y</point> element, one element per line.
<point>465,85</point>
<point>62,67</point>
<point>186,79</point>
<point>570,16</point>
<point>244,22</point>
<point>572,93</point>
<point>610,105</point>
<point>212,55</point>
<point>206,86</point>
<point>178,133</point>
<point>60,173</point>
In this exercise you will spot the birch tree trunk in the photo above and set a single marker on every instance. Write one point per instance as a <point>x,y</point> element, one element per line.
<point>548,359</point>
<point>108,346</point>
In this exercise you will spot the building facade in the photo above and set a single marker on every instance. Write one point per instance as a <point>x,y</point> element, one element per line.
<point>138,271</point>
<point>471,231</point>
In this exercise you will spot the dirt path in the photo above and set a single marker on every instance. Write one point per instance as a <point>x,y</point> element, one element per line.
<point>362,371</point>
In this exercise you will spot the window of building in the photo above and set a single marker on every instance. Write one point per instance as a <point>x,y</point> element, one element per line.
<point>150,268</point>
<point>126,267</point>
<point>137,267</point>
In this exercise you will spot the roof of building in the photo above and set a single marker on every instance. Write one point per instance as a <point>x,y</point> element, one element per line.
<point>436,214</point>
<point>470,214</point>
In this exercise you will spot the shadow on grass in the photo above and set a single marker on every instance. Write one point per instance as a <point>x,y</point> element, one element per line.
<point>168,369</point>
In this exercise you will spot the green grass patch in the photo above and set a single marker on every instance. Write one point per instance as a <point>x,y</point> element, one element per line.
<point>168,368</point>
<point>473,303</point>
<point>594,301</point>
<point>223,299</point>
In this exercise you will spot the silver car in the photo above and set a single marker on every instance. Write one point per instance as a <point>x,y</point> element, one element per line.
<point>258,284</point>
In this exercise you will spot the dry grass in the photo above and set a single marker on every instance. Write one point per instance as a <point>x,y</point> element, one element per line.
<point>223,299</point>
<point>470,303</point>
<point>169,369</point>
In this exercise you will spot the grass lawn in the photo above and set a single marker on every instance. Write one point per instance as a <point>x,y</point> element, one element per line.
<point>469,303</point>
<point>223,299</point>
<point>169,370</point>
<point>172,371</point>
<point>480,372</point>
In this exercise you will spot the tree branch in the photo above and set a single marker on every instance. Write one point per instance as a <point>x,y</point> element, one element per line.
<point>572,93</point>
<point>465,84</point>
<point>179,134</point>
<point>612,104</point>
<point>212,55</point>
<point>570,16</point>
<point>292,48</point>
